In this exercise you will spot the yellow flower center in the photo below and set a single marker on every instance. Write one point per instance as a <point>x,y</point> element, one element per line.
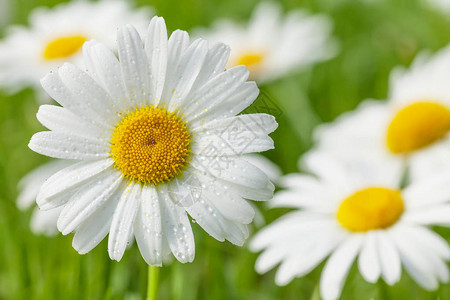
<point>63,47</point>
<point>150,145</point>
<point>370,208</point>
<point>417,126</point>
<point>252,60</point>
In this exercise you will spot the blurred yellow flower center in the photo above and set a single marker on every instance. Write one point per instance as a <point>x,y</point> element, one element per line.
<point>250,59</point>
<point>417,126</point>
<point>150,145</point>
<point>63,47</point>
<point>370,209</point>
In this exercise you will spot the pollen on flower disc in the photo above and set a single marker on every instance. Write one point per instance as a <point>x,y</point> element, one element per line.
<point>151,145</point>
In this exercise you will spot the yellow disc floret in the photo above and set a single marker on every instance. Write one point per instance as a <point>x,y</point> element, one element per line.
<point>250,59</point>
<point>417,126</point>
<point>150,145</point>
<point>63,47</point>
<point>370,209</point>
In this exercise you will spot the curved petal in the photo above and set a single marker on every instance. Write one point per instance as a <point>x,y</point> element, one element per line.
<point>57,189</point>
<point>92,231</point>
<point>134,65</point>
<point>61,145</point>
<point>215,92</point>
<point>156,47</point>
<point>62,120</point>
<point>104,67</point>
<point>177,228</point>
<point>88,199</point>
<point>236,103</point>
<point>368,261</point>
<point>186,73</point>
<point>391,268</point>
<point>336,269</point>
<point>148,227</point>
<point>123,221</point>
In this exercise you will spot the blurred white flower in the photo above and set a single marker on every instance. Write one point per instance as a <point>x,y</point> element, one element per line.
<point>56,35</point>
<point>271,45</point>
<point>42,222</point>
<point>411,130</point>
<point>443,5</point>
<point>156,135</point>
<point>344,214</point>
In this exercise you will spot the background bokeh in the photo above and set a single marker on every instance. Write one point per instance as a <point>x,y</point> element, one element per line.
<point>374,37</point>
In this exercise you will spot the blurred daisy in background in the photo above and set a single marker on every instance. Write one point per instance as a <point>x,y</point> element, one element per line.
<point>271,45</point>
<point>348,217</point>
<point>443,5</point>
<point>42,221</point>
<point>56,35</point>
<point>156,136</point>
<point>410,130</point>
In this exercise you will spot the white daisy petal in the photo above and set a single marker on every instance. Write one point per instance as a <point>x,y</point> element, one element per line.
<point>215,91</point>
<point>148,228</point>
<point>429,240</point>
<point>236,171</point>
<point>236,103</point>
<point>285,226</point>
<point>156,47</point>
<point>134,65</point>
<point>249,193</point>
<point>62,120</point>
<point>215,63</point>
<point>368,262</point>
<point>55,87</point>
<point>177,228</point>
<point>207,216</point>
<point>31,183</point>
<point>389,259</point>
<point>438,215</point>
<point>60,145</point>
<point>302,263</point>
<point>87,199</point>
<point>104,67</point>
<point>428,192</point>
<point>415,264</point>
<point>230,204</point>
<point>123,221</point>
<point>44,221</point>
<point>186,73</point>
<point>87,92</point>
<point>255,123</point>
<point>95,228</point>
<point>177,45</point>
<point>54,192</point>
<point>338,265</point>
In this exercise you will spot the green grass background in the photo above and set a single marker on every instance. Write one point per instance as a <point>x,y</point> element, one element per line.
<point>375,36</point>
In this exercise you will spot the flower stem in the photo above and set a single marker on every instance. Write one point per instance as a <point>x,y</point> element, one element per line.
<point>152,283</point>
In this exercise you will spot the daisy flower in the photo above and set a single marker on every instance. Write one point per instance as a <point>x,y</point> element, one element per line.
<point>272,45</point>
<point>410,130</point>
<point>156,136</point>
<point>350,216</point>
<point>56,35</point>
<point>42,221</point>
